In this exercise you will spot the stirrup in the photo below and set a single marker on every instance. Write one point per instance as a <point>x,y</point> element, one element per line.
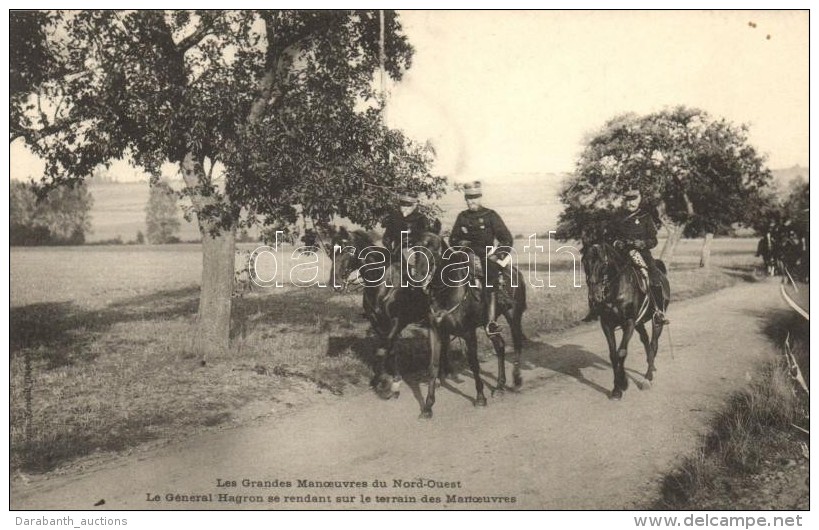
<point>492,329</point>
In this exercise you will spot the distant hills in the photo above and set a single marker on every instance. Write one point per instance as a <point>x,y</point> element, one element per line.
<point>527,201</point>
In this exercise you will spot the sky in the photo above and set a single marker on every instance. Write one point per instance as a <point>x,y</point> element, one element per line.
<point>505,92</point>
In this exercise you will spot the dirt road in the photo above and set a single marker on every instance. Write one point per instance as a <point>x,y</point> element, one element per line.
<point>559,443</point>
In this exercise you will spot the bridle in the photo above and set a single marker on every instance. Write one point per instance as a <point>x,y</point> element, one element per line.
<point>431,288</point>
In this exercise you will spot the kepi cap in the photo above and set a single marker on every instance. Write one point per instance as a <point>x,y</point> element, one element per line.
<point>408,199</point>
<point>472,189</point>
<point>632,193</point>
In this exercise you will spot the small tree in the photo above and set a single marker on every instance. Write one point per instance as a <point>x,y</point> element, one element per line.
<point>60,217</point>
<point>162,214</point>
<point>700,172</point>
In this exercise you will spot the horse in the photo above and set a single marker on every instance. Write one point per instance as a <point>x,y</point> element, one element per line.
<point>456,308</point>
<point>615,286</point>
<point>389,306</point>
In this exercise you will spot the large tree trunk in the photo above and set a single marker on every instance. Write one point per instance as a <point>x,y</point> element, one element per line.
<point>675,232</point>
<point>212,334</point>
<point>705,255</point>
<point>212,337</point>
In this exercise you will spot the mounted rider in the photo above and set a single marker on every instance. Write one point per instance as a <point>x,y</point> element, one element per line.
<point>407,218</point>
<point>478,228</point>
<point>635,233</point>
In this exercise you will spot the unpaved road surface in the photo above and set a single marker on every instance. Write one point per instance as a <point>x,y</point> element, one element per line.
<point>559,443</point>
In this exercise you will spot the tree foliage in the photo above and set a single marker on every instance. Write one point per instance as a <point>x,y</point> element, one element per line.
<point>162,215</point>
<point>701,172</point>
<point>281,103</point>
<point>61,217</point>
<point>265,113</point>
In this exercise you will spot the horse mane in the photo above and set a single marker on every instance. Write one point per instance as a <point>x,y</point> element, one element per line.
<point>361,239</point>
<point>617,258</point>
<point>358,238</point>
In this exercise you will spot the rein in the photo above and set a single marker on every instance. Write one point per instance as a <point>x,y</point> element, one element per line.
<point>623,267</point>
<point>442,314</point>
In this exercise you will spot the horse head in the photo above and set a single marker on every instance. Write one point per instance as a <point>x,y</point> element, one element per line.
<point>346,256</point>
<point>426,258</point>
<point>598,263</point>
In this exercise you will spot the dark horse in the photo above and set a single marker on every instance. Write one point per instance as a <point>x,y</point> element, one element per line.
<point>387,305</point>
<point>456,308</point>
<point>615,286</point>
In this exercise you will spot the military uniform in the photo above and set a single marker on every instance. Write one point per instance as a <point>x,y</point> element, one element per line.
<point>415,223</point>
<point>638,233</point>
<point>480,229</point>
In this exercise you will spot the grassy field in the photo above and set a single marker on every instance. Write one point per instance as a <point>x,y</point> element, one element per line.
<point>100,335</point>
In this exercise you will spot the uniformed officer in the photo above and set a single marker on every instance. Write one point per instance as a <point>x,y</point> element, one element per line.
<point>406,219</point>
<point>635,233</point>
<point>478,228</point>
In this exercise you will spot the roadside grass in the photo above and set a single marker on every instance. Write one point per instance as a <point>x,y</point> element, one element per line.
<point>753,441</point>
<point>99,342</point>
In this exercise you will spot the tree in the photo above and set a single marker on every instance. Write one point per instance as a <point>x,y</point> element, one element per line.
<point>700,172</point>
<point>797,203</point>
<point>162,214</point>
<point>260,110</point>
<point>61,217</point>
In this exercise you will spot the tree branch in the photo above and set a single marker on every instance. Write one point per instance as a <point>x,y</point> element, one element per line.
<point>198,35</point>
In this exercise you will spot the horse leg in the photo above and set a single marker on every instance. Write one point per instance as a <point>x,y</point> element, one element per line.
<point>608,332</point>
<point>514,317</point>
<point>471,340</point>
<point>641,329</point>
<point>434,358</point>
<point>656,331</point>
<point>500,353</point>
<point>384,385</point>
<point>445,368</point>
<point>620,379</point>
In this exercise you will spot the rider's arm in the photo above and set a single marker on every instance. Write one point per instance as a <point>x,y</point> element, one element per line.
<point>502,234</point>
<point>457,235</point>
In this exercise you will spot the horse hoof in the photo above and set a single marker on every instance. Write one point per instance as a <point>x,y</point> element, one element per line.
<point>395,395</point>
<point>384,391</point>
<point>616,395</point>
<point>646,385</point>
<point>425,414</point>
<point>480,402</point>
<point>518,381</point>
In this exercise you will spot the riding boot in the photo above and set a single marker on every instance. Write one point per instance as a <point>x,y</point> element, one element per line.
<point>659,316</point>
<point>492,327</point>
